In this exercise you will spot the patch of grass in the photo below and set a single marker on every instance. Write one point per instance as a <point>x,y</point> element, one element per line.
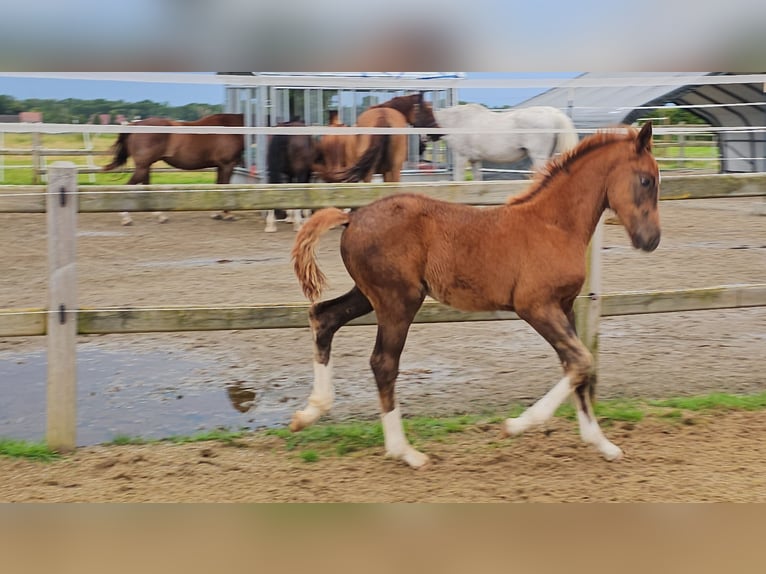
<point>622,410</point>
<point>221,435</point>
<point>122,440</point>
<point>715,401</point>
<point>24,449</point>
<point>349,437</point>
<point>18,168</point>
<point>343,438</point>
<point>309,456</point>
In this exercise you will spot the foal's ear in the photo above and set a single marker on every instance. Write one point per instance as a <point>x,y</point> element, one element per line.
<point>644,139</point>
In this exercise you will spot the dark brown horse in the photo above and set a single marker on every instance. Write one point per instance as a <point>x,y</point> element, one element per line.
<point>290,159</point>
<point>181,150</point>
<point>384,153</point>
<point>527,256</point>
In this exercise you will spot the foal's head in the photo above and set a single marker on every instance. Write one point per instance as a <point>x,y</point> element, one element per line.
<point>633,190</point>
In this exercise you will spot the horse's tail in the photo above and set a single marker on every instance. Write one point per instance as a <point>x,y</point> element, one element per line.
<point>121,152</point>
<point>370,158</point>
<point>307,271</point>
<point>568,138</point>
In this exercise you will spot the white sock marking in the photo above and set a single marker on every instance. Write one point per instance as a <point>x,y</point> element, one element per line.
<point>322,395</point>
<point>396,443</point>
<point>591,434</point>
<point>542,410</point>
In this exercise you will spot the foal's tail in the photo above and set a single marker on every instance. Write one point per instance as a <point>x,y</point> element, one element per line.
<point>121,152</point>
<point>312,280</point>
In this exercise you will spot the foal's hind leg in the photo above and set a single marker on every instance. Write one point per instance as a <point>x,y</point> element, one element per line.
<point>326,318</point>
<point>393,324</point>
<point>555,327</point>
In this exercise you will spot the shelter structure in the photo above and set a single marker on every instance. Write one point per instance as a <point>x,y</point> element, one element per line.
<point>281,97</point>
<point>597,100</point>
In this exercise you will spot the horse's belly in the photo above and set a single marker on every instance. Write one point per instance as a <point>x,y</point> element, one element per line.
<point>465,296</point>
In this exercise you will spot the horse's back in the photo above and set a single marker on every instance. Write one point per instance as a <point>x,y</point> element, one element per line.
<point>412,220</point>
<point>419,242</point>
<point>337,151</point>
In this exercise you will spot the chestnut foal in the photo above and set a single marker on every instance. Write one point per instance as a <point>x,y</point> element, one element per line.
<point>527,256</point>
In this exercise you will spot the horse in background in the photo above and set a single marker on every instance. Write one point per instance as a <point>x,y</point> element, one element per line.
<point>384,153</point>
<point>557,135</point>
<point>180,150</point>
<point>289,159</point>
<point>335,152</point>
<point>527,256</point>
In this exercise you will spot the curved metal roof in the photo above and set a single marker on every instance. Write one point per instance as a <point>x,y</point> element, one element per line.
<point>725,105</point>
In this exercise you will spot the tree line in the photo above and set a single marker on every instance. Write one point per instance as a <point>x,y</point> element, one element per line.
<point>89,111</point>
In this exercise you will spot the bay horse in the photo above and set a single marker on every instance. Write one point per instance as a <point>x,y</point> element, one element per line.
<point>181,150</point>
<point>289,159</point>
<point>559,136</point>
<point>384,153</point>
<point>527,255</point>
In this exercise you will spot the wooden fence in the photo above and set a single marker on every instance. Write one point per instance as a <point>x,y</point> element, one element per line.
<point>62,320</point>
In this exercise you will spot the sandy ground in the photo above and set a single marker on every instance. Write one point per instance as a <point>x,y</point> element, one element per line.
<point>446,369</point>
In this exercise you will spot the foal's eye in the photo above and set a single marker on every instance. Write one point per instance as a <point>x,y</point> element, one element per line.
<point>645,181</point>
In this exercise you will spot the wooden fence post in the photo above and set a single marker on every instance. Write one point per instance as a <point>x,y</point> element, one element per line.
<point>36,163</point>
<point>62,306</point>
<point>589,314</point>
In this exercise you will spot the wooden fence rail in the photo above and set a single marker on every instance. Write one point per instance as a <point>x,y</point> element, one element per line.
<point>33,322</point>
<point>63,318</point>
<point>246,197</point>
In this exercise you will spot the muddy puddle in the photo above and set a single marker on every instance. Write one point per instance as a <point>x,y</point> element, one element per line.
<point>151,395</point>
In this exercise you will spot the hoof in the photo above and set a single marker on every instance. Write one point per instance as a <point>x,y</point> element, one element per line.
<point>126,219</point>
<point>297,424</point>
<point>612,453</point>
<point>270,230</point>
<point>162,219</point>
<point>418,461</point>
<point>514,427</point>
<point>216,216</point>
<point>414,458</point>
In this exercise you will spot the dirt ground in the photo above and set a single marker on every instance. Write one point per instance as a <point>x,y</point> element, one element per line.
<point>446,369</point>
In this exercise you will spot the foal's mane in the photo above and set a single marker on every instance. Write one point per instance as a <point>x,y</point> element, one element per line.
<point>561,164</point>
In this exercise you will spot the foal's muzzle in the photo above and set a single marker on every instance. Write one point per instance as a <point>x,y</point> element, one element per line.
<point>646,242</point>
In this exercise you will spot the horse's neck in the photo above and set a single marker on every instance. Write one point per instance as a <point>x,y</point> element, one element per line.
<point>401,106</point>
<point>574,198</point>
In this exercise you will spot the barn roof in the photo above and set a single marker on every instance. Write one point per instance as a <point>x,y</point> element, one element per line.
<point>596,100</point>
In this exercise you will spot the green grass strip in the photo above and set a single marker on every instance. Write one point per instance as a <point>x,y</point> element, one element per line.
<point>24,449</point>
<point>714,401</point>
<point>348,437</point>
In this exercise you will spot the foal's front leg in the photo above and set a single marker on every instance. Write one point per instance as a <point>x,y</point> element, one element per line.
<point>576,360</point>
<point>393,325</point>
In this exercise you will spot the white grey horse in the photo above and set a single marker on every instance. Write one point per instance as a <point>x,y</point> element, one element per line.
<point>512,142</point>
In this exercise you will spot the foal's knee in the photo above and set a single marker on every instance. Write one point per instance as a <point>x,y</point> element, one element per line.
<point>579,368</point>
